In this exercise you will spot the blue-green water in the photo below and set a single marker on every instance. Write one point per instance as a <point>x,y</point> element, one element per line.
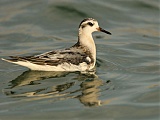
<point>126,85</point>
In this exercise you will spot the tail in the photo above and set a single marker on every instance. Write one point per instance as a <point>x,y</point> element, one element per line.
<point>16,60</point>
<point>13,59</point>
<point>7,60</point>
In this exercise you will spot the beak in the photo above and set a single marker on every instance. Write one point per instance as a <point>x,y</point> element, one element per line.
<point>102,30</point>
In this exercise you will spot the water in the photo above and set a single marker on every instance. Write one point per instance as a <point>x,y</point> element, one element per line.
<point>126,83</point>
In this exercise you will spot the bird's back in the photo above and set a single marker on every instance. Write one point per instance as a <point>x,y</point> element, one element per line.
<point>71,59</point>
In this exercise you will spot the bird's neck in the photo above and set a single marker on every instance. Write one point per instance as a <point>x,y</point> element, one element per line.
<point>85,39</point>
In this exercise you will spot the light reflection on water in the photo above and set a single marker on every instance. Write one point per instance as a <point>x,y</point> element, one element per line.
<point>88,91</point>
<point>126,83</point>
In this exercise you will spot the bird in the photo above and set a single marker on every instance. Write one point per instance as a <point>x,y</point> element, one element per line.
<point>79,57</point>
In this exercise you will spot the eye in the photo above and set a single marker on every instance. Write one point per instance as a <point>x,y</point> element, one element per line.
<point>90,24</point>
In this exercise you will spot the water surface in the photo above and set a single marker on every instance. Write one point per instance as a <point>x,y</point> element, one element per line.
<point>126,84</point>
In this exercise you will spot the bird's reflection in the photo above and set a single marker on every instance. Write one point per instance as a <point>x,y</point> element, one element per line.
<point>36,85</point>
<point>90,93</point>
<point>28,77</point>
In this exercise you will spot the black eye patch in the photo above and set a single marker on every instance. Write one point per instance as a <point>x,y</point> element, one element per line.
<point>90,24</point>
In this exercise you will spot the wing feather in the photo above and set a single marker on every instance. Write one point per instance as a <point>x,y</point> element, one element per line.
<point>55,58</point>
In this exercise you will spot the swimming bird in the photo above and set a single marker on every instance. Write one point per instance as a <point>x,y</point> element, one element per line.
<point>79,57</point>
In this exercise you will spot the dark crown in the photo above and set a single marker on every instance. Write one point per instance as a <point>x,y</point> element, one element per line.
<point>86,19</point>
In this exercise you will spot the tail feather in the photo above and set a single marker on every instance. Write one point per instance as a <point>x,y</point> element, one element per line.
<point>16,60</point>
<point>13,59</point>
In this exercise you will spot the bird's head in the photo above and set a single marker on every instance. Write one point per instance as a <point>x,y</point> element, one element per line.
<point>90,25</point>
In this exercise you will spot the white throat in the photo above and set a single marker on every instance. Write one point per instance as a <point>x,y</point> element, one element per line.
<point>86,39</point>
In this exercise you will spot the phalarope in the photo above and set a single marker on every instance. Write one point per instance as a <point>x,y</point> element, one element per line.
<point>79,57</point>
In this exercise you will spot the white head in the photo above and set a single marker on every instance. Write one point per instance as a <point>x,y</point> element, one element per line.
<point>89,25</point>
